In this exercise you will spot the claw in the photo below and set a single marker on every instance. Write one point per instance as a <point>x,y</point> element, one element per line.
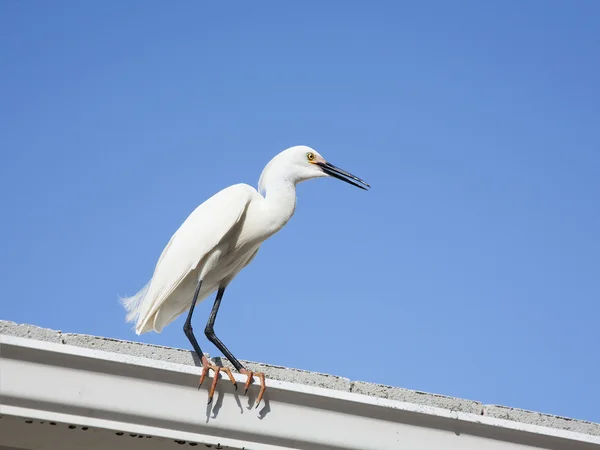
<point>203,375</point>
<point>216,370</point>
<point>249,374</point>
<point>263,386</point>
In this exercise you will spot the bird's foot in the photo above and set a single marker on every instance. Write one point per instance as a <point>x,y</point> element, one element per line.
<point>263,387</point>
<point>216,370</point>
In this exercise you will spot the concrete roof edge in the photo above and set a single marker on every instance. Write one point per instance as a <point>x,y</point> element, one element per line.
<point>167,355</point>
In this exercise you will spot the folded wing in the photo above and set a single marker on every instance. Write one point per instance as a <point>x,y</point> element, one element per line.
<point>201,232</point>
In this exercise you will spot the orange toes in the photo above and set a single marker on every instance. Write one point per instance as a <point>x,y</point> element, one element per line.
<point>263,386</point>
<point>213,386</point>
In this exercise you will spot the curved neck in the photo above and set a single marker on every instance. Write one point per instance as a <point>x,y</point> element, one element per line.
<point>280,202</point>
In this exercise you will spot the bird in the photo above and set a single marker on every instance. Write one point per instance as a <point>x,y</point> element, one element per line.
<point>216,241</point>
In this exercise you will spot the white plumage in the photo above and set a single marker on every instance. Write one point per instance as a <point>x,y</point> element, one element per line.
<point>221,236</point>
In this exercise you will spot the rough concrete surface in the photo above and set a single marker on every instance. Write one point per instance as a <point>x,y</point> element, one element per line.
<point>180,356</point>
<point>417,397</point>
<point>29,331</point>
<point>543,420</point>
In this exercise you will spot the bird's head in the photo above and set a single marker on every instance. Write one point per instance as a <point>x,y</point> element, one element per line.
<point>301,163</point>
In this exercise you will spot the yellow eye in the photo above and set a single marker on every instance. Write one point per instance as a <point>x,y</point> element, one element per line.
<point>310,156</point>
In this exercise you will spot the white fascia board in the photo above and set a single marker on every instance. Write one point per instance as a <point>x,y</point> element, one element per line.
<point>94,388</point>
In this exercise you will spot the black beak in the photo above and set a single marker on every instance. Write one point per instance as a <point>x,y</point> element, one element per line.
<point>340,174</point>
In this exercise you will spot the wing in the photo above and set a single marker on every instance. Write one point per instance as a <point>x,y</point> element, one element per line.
<point>196,237</point>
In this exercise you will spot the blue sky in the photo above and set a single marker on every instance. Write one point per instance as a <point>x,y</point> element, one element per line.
<point>470,269</point>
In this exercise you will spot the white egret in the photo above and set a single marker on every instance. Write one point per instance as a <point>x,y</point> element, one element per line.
<point>217,240</point>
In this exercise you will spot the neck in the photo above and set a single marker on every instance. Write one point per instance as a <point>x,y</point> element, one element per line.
<point>280,202</point>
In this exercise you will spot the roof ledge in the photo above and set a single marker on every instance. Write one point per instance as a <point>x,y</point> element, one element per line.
<point>114,393</point>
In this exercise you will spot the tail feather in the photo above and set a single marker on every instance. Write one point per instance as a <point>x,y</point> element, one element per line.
<point>133,304</point>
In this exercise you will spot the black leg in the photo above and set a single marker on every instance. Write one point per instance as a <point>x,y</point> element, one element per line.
<point>212,337</point>
<point>187,329</point>
<point>187,326</point>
